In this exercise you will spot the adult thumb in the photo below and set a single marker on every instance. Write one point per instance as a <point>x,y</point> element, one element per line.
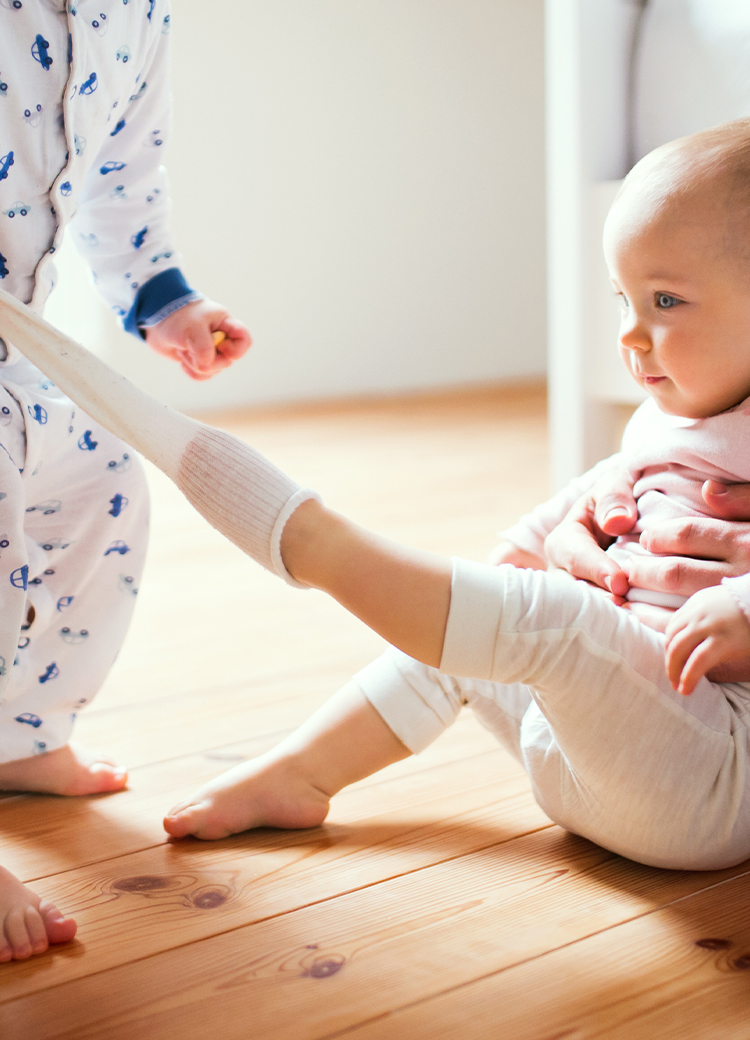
<point>729,501</point>
<point>615,510</point>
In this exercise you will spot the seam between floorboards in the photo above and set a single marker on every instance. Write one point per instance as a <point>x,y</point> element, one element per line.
<point>526,960</point>
<point>155,845</point>
<point>410,1004</point>
<point>275,916</point>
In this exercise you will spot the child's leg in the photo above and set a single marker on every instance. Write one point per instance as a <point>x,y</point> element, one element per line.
<point>70,492</point>
<point>291,785</point>
<point>418,702</point>
<point>612,751</point>
<point>75,523</point>
<point>347,739</point>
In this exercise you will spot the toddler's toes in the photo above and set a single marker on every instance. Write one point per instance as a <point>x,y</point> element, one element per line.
<point>107,777</point>
<point>28,924</point>
<point>24,933</point>
<point>58,928</point>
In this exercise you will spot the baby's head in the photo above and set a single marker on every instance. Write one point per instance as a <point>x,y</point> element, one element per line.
<point>677,243</point>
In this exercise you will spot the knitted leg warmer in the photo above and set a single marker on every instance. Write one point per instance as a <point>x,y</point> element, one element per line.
<point>233,486</point>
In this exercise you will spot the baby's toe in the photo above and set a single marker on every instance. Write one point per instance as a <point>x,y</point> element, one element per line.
<point>58,928</point>
<point>16,934</point>
<point>194,818</point>
<point>36,930</point>
<point>181,817</point>
<point>107,777</point>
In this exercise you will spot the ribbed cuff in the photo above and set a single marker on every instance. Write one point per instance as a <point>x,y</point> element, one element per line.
<point>159,297</point>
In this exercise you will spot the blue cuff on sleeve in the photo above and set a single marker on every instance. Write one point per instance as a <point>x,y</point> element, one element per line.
<point>157,298</point>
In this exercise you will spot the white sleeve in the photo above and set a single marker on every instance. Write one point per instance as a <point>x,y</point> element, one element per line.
<point>122,221</point>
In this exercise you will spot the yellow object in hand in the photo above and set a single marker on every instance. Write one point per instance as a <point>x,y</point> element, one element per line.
<point>219,337</point>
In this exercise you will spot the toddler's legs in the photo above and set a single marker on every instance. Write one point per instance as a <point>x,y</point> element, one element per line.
<point>73,524</point>
<point>73,529</point>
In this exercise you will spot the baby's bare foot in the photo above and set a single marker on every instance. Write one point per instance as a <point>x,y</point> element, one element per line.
<point>70,770</point>
<point>28,924</point>
<point>265,792</point>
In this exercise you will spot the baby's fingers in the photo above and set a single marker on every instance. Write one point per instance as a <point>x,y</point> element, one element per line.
<point>702,659</point>
<point>680,646</point>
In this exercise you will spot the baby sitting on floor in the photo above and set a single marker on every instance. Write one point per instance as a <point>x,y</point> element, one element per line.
<point>574,686</point>
<point>569,682</point>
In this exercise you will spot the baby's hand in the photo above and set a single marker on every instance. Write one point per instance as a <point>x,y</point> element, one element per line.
<point>192,336</point>
<point>708,630</point>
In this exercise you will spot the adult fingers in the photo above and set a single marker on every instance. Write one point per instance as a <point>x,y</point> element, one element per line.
<point>704,538</point>
<point>615,510</point>
<point>730,501</point>
<point>679,575</point>
<point>572,547</point>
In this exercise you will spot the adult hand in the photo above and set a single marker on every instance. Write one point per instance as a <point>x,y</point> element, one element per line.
<point>506,552</point>
<point>578,544</point>
<point>694,553</point>
<point>697,552</point>
<point>189,337</point>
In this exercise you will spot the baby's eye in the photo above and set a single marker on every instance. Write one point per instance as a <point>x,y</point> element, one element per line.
<point>664,301</point>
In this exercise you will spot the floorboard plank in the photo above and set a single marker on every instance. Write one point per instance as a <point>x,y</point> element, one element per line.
<point>327,967</point>
<point>43,835</point>
<point>681,973</point>
<point>140,904</point>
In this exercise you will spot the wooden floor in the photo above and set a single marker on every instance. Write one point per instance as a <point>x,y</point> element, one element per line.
<point>438,901</point>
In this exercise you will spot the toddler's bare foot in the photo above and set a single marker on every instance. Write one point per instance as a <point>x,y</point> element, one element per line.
<point>28,924</point>
<point>70,770</point>
<point>265,792</point>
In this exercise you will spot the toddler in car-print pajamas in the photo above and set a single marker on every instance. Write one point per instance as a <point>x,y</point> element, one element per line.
<point>83,120</point>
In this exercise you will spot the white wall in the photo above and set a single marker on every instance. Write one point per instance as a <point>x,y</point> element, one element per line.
<point>362,182</point>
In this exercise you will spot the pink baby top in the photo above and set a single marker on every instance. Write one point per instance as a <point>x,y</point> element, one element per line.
<point>668,459</point>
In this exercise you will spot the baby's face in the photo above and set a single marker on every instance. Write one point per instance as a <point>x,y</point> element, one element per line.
<point>685,325</point>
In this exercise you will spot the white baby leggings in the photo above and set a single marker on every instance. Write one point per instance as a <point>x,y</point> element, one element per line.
<point>613,753</point>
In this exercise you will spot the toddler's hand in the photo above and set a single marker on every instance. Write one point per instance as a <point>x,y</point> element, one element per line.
<point>708,630</point>
<point>187,336</point>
